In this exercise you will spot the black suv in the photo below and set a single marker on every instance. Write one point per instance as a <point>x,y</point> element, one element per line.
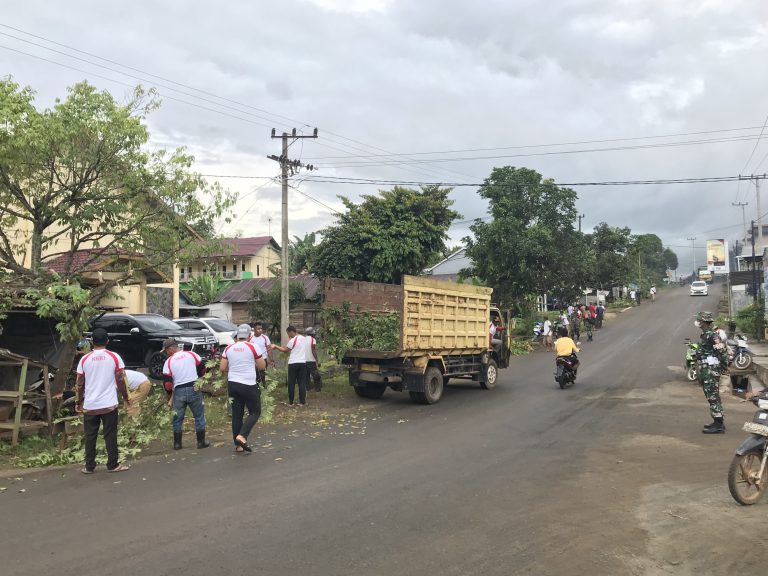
<point>138,338</point>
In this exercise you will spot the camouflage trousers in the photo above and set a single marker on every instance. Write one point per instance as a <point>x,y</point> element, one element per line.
<point>710,383</point>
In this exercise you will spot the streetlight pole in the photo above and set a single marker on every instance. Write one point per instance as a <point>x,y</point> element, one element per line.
<point>693,252</point>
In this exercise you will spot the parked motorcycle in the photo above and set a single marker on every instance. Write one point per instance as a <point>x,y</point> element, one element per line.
<point>692,351</point>
<point>538,331</point>
<point>747,473</point>
<point>565,371</point>
<point>739,353</point>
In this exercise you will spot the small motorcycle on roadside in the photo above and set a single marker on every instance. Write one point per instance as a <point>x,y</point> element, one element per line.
<point>692,351</point>
<point>748,470</point>
<point>739,353</point>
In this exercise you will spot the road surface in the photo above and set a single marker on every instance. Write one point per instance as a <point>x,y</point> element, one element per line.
<point>611,477</point>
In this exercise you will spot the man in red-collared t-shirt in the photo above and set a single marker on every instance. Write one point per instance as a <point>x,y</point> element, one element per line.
<point>180,372</point>
<point>100,376</point>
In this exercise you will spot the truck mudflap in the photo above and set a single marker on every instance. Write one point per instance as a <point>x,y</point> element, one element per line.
<point>413,380</point>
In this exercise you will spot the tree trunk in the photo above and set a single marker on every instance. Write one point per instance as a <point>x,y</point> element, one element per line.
<point>66,359</point>
<point>36,251</point>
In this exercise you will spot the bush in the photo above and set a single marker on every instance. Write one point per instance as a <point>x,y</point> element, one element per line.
<point>752,320</point>
<point>344,330</point>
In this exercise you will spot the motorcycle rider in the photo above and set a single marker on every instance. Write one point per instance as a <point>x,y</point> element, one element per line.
<point>565,346</point>
<point>713,358</point>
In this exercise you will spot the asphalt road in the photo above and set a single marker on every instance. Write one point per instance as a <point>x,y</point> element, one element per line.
<point>610,477</point>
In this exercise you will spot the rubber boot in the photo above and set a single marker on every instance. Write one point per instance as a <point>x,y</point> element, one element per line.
<point>177,440</point>
<point>717,427</point>
<point>201,443</point>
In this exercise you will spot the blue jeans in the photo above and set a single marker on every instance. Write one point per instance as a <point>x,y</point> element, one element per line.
<point>188,396</point>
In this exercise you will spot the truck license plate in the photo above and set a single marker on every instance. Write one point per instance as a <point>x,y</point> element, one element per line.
<point>369,367</point>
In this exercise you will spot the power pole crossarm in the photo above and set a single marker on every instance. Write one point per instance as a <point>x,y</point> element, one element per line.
<point>288,167</point>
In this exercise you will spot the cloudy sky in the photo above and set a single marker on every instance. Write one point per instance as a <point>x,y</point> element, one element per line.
<point>435,91</point>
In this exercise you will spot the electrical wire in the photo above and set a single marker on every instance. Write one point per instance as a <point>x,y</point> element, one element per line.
<point>243,105</point>
<point>525,146</point>
<point>762,130</point>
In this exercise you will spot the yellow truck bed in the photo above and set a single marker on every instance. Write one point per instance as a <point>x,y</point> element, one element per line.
<point>437,317</point>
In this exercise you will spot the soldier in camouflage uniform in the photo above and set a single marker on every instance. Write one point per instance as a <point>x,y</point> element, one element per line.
<point>713,359</point>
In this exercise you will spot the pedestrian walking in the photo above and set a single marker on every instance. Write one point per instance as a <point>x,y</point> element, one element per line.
<point>632,296</point>
<point>576,326</point>
<point>588,324</point>
<point>100,377</point>
<point>139,388</point>
<point>297,364</point>
<point>180,372</point>
<point>263,346</point>
<point>241,363</point>
<point>600,314</point>
<point>653,292</point>
<point>313,362</point>
<point>714,357</point>
<point>546,332</point>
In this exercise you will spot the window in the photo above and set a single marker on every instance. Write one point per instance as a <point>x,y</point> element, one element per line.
<point>310,318</point>
<point>224,268</point>
<point>242,266</point>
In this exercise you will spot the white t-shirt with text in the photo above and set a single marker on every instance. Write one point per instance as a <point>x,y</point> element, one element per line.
<point>241,357</point>
<point>98,368</point>
<point>182,367</point>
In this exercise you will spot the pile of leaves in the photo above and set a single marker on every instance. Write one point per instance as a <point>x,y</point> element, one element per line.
<point>345,330</point>
<point>214,382</point>
<point>133,434</point>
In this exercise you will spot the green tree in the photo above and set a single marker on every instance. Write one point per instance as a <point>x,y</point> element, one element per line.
<point>79,176</point>
<point>670,259</point>
<point>396,232</point>
<point>611,246</point>
<point>300,252</point>
<point>265,304</point>
<point>530,245</point>
<point>646,260</point>
<point>204,289</point>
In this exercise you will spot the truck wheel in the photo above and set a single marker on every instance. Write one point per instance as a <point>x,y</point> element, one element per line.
<point>154,362</point>
<point>372,391</point>
<point>433,386</point>
<point>491,376</point>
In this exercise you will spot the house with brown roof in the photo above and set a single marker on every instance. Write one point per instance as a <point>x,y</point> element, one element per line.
<point>234,303</point>
<point>240,259</point>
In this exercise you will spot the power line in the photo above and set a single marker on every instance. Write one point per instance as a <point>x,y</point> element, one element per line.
<point>241,104</point>
<point>525,146</point>
<point>756,144</point>
<point>698,142</point>
<point>663,181</point>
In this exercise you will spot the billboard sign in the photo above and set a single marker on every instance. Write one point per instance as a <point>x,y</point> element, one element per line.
<point>717,256</point>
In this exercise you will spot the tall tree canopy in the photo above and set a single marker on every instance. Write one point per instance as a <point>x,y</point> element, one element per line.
<point>78,183</point>
<point>300,251</point>
<point>530,245</point>
<point>647,260</point>
<point>611,245</point>
<point>397,232</point>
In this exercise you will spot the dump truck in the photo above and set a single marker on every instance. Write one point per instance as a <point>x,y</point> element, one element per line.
<point>445,333</point>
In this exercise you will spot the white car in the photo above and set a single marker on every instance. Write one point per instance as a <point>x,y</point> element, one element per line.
<point>224,331</point>
<point>699,288</point>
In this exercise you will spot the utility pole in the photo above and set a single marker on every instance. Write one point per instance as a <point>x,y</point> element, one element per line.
<point>693,252</point>
<point>580,217</point>
<point>754,268</point>
<point>759,214</point>
<point>289,168</point>
<point>743,216</point>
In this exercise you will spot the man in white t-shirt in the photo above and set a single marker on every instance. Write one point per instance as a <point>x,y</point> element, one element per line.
<point>264,347</point>
<point>100,376</point>
<point>297,364</point>
<point>546,332</point>
<point>180,372</point>
<point>242,363</point>
<point>138,389</point>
